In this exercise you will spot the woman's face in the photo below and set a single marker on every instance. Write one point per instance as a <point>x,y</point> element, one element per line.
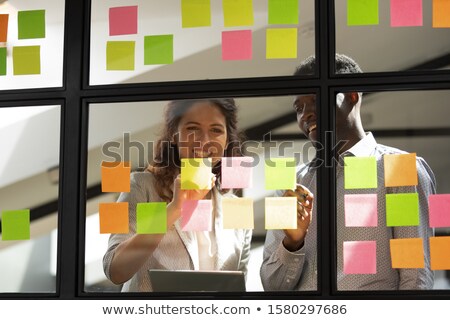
<point>202,132</point>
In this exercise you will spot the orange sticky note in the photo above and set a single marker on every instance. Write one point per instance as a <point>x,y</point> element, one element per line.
<point>407,253</point>
<point>116,176</point>
<point>237,213</point>
<point>400,170</point>
<point>114,217</point>
<point>4,27</point>
<point>440,253</point>
<point>441,13</point>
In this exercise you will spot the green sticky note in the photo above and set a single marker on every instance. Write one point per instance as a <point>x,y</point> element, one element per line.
<point>16,225</point>
<point>151,218</point>
<point>196,174</point>
<point>2,61</point>
<point>362,12</point>
<point>237,13</point>
<point>195,13</point>
<point>283,11</point>
<point>281,43</point>
<point>31,24</point>
<point>360,173</point>
<point>280,173</point>
<point>27,60</point>
<point>120,55</point>
<point>402,209</point>
<point>158,49</point>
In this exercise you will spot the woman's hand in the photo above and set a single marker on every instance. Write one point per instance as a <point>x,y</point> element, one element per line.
<point>295,237</point>
<point>180,195</point>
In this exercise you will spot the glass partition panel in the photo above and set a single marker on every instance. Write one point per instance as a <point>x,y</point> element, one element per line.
<point>29,179</point>
<point>153,41</point>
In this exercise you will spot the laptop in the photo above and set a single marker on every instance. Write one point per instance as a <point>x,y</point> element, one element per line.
<point>198,281</point>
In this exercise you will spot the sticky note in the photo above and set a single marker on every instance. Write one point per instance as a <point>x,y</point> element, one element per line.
<point>123,20</point>
<point>281,43</point>
<point>402,209</point>
<point>120,55</point>
<point>440,253</point>
<point>407,253</point>
<point>196,174</point>
<point>3,61</point>
<point>439,210</point>
<point>281,213</point>
<point>114,217</point>
<point>237,213</point>
<point>360,173</point>
<point>151,218</point>
<point>237,172</point>
<point>16,225</point>
<point>26,60</point>
<point>158,49</point>
<point>195,13</point>
<point>31,24</point>
<point>406,13</point>
<point>116,176</point>
<point>361,210</point>
<point>360,257</point>
<point>400,170</point>
<point>362,12</point>
<point>196,215</point>
<point>283,11</point>
<point>280,173</point>
<point>237,45</point>
<point>237,13</point>
<point>441,16</point>
<point>4,27</point>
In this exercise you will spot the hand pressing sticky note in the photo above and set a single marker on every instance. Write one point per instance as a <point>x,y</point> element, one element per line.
<point>26,60</point>
<point>439,210</point>
<point>196,174</point>
<point>440,253</point>
<point>4,27</point>
<point>280,173</point>
<point>120,55</point>
<point>196,215</point>
<point>283,11</point>
<point>195,13</point>
<point>362,12</point>
<point>281,213</point>
<point>360,173</point>
<point>360,257</point>
<point>407,253</point>
<point>237,213</point>
<point>441,18</point>
<point>123,20</point>
<point>31,24</point>
<point>158,49</point>
<point>16,225</point>
<point>406,13</point>
<point>151,218</point>
<point>116,176</point>
<point>402,209</point>
<point>281,43</point>
<point>114,217</point>
<point>400,170</point>
<point>237,45</point>
<point>237,13</point>
<point>361,210</point>
<point>237,172</point>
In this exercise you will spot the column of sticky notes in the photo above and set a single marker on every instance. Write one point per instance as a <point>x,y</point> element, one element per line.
<point>27,58</point>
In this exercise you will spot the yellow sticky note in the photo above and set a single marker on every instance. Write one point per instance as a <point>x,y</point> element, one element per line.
<point>114,217</point>
<point>237,213</point>
<point>440,253</point>
<point>196,174</point>
<point>281,43</point>
<point>407,253</point>
<point>116,176</point>
<point>400,170</point>
<point>281,213</point>
<point>237,13</point>
<point>195,13</point>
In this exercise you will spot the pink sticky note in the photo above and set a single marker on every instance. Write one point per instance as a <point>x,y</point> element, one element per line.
<point>123,20</point>
<point>361,210</point>
<point>237,172</point>
<point>196,215</point>
<point>237,45</point>
<point>360,257</point>
<point>439,210</point>
<point>406,13</point>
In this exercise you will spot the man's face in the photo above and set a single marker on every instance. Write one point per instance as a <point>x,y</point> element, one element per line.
<point>305,107</point>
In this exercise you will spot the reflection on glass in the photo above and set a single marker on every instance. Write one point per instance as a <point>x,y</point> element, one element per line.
<point>29,140</point>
